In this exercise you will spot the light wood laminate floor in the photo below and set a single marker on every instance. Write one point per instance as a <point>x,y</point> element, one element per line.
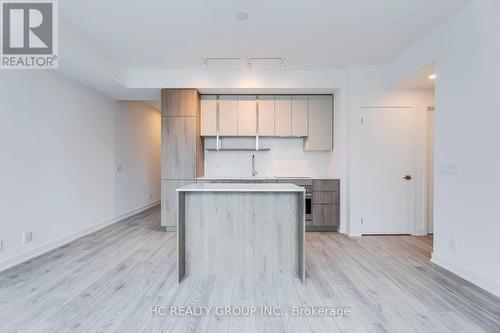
<point>108,281</point>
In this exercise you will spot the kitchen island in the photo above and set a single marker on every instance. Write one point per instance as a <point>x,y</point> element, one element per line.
<point>241,229</point>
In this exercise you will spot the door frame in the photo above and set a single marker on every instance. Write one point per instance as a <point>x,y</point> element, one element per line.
<point>429,108</point>
<point>418,225</point>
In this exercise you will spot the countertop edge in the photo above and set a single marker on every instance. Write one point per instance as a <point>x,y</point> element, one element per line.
<point>224,187</point>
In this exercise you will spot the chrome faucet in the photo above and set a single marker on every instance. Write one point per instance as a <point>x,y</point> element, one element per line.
<point>254,172</point>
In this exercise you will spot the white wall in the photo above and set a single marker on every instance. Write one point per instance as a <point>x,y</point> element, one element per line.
<point>137,151</point>
<point>367,88</point>
<point>286,158</point>
<point>57,161</point>
<point>466,50</point>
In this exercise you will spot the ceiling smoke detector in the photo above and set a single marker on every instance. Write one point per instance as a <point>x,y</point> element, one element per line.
<point>242,16</point>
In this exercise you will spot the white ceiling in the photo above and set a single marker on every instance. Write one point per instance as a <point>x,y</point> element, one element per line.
<point>313,34</point>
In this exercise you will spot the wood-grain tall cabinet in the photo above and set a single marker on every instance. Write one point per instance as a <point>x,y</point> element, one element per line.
<point>181,148</point>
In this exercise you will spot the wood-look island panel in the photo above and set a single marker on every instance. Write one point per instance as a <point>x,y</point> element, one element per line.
<point>242,229</point>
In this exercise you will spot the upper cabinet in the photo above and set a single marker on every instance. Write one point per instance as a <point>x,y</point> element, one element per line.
<point>305,116</point>
<point>266,115</point>
<point>228,115</point>
<point>208,115</point>
<point>320,135</point>
<point>300,115</point>
<point>283,116</point>
<point>247,115</point>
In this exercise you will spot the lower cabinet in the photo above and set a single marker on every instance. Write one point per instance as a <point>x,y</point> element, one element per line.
<point>169,203</point>
<point>325,199</point>
<point>325,215</point>
<point>325,205</point>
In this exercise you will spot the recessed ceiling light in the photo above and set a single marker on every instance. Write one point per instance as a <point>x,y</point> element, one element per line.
<point>432,77</point>
<point>242,16</point>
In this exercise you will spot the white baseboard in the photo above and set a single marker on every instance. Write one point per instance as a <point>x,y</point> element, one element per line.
<point>44,248</point>
<point>466,274</point>
<point>419,233</point>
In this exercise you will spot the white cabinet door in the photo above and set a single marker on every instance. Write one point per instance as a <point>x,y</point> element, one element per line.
<point>300,115</point>
<point>266,115</point>
<point>283,116</point>
<point>228,115</point>
<point>320,135</point>
<point>208,115</point>
<point>247,116</point>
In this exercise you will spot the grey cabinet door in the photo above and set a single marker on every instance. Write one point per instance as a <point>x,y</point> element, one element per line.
<point>228,115</point>
<point>266,115</point>
<point>169,201</point>
<point>300,115</point>
<point>179,103</point>
<point>325,215</point>
<point>283,116</point>
<point>247,116</point>
<point>179,148</point>
<point>326,185</point>
<point>325,197</point>
<point>208,115</point>
<point>320,135</point>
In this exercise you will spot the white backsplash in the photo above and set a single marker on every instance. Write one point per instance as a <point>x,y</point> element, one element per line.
<point>286,158</point>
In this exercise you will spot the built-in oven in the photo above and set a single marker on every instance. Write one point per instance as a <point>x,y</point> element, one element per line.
<point>308,203</point>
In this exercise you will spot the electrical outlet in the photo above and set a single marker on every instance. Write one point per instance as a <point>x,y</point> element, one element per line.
<point>27,237</point>
<point>1,245</point>
<point>150,196</point>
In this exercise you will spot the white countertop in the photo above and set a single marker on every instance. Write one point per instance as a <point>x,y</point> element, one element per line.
<point>215,187</point>
<point>236,178</point>
<point>263,178</point>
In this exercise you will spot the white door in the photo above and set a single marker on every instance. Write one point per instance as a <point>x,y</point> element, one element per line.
<point>389,156</point>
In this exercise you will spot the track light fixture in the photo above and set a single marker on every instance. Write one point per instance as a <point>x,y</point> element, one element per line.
<point>249,61</point>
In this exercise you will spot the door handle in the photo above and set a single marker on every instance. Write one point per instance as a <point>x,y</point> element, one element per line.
<point>407,177</point>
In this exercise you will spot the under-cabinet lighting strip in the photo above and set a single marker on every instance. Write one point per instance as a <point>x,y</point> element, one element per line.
<point>217,123</point>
